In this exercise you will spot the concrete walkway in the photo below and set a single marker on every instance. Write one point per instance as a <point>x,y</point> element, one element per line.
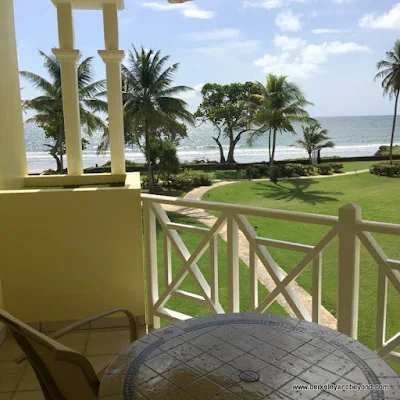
<point>208,220</point>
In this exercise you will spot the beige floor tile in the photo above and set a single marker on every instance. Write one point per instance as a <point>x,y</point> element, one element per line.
<point>6,396</point>
<point>29,380</point>
<point>99,363</point>
<point>31,395</point>
<point>10,375</point>
<point>75,340</point>
<point>107,341</point>
<point>9,349</point>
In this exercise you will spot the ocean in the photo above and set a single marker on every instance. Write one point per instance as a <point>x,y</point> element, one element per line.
<point>353,136</point>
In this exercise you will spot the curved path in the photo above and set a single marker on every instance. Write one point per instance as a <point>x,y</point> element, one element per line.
<point>205,218</point>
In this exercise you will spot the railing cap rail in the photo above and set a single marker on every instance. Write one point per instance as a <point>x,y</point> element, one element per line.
<point>246,210</point>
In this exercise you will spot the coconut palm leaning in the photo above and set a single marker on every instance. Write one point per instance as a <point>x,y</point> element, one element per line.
<point>314,139</point>
<point>279,104</point>
<point>48,107</point>
<point>148,97</point>
<point>389,72</point>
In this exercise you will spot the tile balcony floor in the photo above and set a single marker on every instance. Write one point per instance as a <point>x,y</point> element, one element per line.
<point>100,346</point>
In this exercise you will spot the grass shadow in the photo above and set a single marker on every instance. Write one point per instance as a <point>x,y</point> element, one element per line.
<point>300,189</point>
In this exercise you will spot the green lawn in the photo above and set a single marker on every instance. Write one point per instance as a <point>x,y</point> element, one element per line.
<point>192,240</point>
<point>379,199</point>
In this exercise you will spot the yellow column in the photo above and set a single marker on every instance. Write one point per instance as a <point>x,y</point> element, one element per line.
<point>112,57</point>
<point>68,58</point>
<point>12,146</point>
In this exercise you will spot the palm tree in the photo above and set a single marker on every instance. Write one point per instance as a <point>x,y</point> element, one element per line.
<point>49,108</point>
<point>279,104</point>
<point>148,98</point>
<point>390,75</point>
<point>315,139</point>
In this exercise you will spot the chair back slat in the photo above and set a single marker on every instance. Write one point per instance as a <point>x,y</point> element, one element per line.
<point>63,374</point>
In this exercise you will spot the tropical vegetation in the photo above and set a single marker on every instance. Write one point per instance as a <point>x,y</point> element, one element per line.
<point>151,109</point>
<point>279,103</point>
<point>228,109</point>
<point>389,72</point>
<point>48,107</point>
<point>314,139</point>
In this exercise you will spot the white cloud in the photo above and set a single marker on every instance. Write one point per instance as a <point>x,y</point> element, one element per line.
<point>271,4</point>
<point>192,94</point>
<point>218,34</point>
<point>269,60</point>
<point>326,31</point>
<point>230,48</point>
<point>287,21</point>
<point>318,54</point>
<point>286,43</point>
<point>389,20</point>
<point>341,1</point>
<point>278,64</point>
<point>308,64</point>
<point>189,10</point>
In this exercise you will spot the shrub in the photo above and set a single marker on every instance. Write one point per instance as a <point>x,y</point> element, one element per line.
<point>336,166</point>
<point>291,170</point>
<point>128,163</point>
<point>263,169</point>
<point>51,172</point>
<point>308,169</point>
<point>300,170</point>
<point>252,172</point>
<point>145,183</point>
<point>324,169</point>
<point>386,169</point>
<point>241,174</point>
<point>188,181</point>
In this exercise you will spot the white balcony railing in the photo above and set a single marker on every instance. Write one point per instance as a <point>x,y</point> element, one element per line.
<point>350,229</point>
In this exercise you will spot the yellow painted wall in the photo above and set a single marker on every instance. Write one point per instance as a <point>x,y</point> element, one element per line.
<point>67,254</point>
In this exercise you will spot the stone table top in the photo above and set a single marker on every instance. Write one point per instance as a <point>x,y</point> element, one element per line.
<point>248,357</point>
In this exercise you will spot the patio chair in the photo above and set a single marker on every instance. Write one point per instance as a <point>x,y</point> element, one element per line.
<point>63,374</point>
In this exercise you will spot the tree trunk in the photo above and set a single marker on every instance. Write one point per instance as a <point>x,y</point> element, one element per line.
<point>59,167</point>
<point>61,161</point>
<point>60,146</point>
<point>393,128</point>
<point>232,144</point>
<point>310,157</point>
<point>231,159</point>
<point>149,166</point>
<point>221,150</point>
<point>269,145</point>
<point>53,153</point>
<point>273,175</point>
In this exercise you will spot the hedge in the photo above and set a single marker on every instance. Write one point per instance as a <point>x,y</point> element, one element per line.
<point>242,167</point>
<point>386,169</point>
<point>185,182</point>
<point>291,170</point>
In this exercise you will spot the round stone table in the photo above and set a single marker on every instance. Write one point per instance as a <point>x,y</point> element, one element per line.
<point>251,357</point>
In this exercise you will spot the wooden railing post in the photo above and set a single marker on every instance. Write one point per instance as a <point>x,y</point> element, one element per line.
<point>348,270</point>
<point>233,265</point>
<point>150,242</point>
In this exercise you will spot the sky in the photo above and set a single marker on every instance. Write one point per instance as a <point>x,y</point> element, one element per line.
<point>328,47</point>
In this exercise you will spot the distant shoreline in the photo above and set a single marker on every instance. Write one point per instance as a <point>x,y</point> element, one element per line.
<point>242,155</point>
